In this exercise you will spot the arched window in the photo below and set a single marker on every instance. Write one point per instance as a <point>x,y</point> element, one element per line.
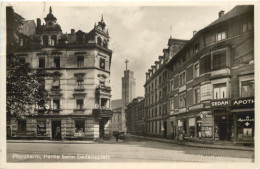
<point>105,44</point>
<point>53,40</point>
<point>99,41</point>
<point>45,40</point>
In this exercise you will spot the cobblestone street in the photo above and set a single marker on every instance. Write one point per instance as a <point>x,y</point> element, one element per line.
<point>131,150</point>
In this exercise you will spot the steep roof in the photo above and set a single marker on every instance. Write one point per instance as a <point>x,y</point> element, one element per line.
<point>236,11</point>
<point>116,103</point>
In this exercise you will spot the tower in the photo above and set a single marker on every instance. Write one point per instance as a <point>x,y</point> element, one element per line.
<point>128,91</point>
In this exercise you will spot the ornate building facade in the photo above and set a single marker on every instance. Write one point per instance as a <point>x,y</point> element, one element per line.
<point>80,93</point>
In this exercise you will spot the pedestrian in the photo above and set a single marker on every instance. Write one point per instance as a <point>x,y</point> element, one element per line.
<point>117,134</point>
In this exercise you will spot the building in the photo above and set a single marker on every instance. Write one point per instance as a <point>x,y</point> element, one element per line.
<point>135,121</point>
<point>116,121</point>
<point>210,83</point>
<point>80,92</point>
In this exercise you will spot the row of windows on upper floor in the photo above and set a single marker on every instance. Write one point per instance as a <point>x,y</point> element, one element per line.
<point>210,91</point>
<point>220,35</point>
<point>52,42</point>
<point>56,61</point>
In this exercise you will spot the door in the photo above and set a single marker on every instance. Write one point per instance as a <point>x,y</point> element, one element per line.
<point>22,126</point>
<point>101,129</point>
<point>165,129</point>
<point>56,130</point>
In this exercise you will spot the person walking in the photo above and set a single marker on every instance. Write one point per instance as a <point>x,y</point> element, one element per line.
<point>117,134</point>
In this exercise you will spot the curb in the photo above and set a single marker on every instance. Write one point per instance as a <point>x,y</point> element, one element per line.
<point>55,142</point>
<point>199,145</point>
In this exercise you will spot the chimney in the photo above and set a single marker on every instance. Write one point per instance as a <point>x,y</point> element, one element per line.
<point>38,22</point>
<point>221,13</point>
<point>72,31</point>
<point>194,32</point>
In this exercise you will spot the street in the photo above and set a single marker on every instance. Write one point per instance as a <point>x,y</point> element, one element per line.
<point>130,150</point>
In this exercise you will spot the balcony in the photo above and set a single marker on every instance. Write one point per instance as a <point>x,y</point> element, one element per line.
<point>79,111</point>
<point>103,90</point>
<point>56,111</point>
<point>100,112</point>
<point>79,89</point>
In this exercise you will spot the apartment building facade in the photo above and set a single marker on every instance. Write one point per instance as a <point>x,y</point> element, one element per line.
<point>79,91</point>
<point>210,82</point>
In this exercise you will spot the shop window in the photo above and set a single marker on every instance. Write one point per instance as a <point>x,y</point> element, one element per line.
<point>172,85</point>
<point>42,62</point>
<point>199,120</point>
<point>41,128</point>
<point>245,126</point>
<point>45,40</point>
<point>182,78</point>
<point>220,91</point>
<point>196,70</point>
<point>197,95</point>
<point>182,103</point>
<point>80,61</point>
<point>56,104</point>
<point>57,62</point>
<point>221,35</point>
<point>102,63</point>
<point>219,61</point>
<point>192,127</point>
<point>247,88</point>
<point>79,128</point>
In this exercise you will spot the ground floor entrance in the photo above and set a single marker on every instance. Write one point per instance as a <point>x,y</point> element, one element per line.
<point>56,130</point>
<point>224,127</point>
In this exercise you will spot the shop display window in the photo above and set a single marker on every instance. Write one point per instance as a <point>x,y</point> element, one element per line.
<point>79,128</point>
<point>245,127</point>
<point>41,128</point>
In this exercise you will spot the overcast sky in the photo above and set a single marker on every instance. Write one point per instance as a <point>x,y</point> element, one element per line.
<point>138,33</point>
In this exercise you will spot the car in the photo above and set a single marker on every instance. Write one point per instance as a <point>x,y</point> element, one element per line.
<point>115,133</point>
<point>121,135</point>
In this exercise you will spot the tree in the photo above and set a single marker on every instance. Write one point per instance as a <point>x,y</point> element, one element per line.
<point>24,84</point>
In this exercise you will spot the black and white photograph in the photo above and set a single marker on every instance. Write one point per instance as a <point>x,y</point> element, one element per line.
<point>135,84</point>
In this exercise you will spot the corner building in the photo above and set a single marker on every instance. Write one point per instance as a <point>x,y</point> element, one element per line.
<point>211,82</point>
<point>79,106</point>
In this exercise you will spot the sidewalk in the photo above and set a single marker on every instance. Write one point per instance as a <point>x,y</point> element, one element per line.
<point>219,146</point>
<point>51,141</point>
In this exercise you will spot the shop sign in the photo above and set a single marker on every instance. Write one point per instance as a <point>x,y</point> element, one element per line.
<point>206,92</point>
<point>196,107</point>
<point>220,103</point>
<point>248,102</point>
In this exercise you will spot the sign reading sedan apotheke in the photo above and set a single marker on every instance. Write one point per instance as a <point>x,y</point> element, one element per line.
<point>220,103</point>
<point>243,102</point>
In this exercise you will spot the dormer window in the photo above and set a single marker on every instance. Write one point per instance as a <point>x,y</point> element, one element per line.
<point>99,41</point>
<point>53,40</point>
<point>45,39</point>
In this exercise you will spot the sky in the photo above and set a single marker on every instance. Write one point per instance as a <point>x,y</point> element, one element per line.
<point>138,33</point>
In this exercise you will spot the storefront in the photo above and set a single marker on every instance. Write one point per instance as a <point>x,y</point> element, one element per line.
<point>243,113</point>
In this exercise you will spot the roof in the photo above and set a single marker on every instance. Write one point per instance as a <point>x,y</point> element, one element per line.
<point>28,27</point>
<point>236,11</point>
<point>116,103</point>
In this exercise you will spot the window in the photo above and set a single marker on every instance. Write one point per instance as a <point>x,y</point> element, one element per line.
<point>80,61</point>
<point>80,83</point>
<point>196,47</point>
<point>21,42</point>
<point>196,70</point>
<point>105,44</point>
<point>79,128</point>
<point>99,41</point>
<point>221,35</point>
<point>102,63</point>
<point>160,79</point>
<point>172,104</point>
<point>220,91</point>
<point>248,88</point>
<point>42,84</point>
<point>172,85</point>
<point>182,100</point>
<point>80,104</point>
<point>56,104</point>
<point>45,40</point>
<point>22,60</point>
<point>160,110</point>
<point>196,95</point>
<point>53,40</point>
<point>182,78</point>
<point>41,62</point>
<point>247,26</point>
<point>103,102</point>
<point>56,83</point>
<point>101,83</point>
<point>57,62</point>
<point>160,94</point>
<point>41,128</point>
<point>183,58</point>
<point>219,61</point>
